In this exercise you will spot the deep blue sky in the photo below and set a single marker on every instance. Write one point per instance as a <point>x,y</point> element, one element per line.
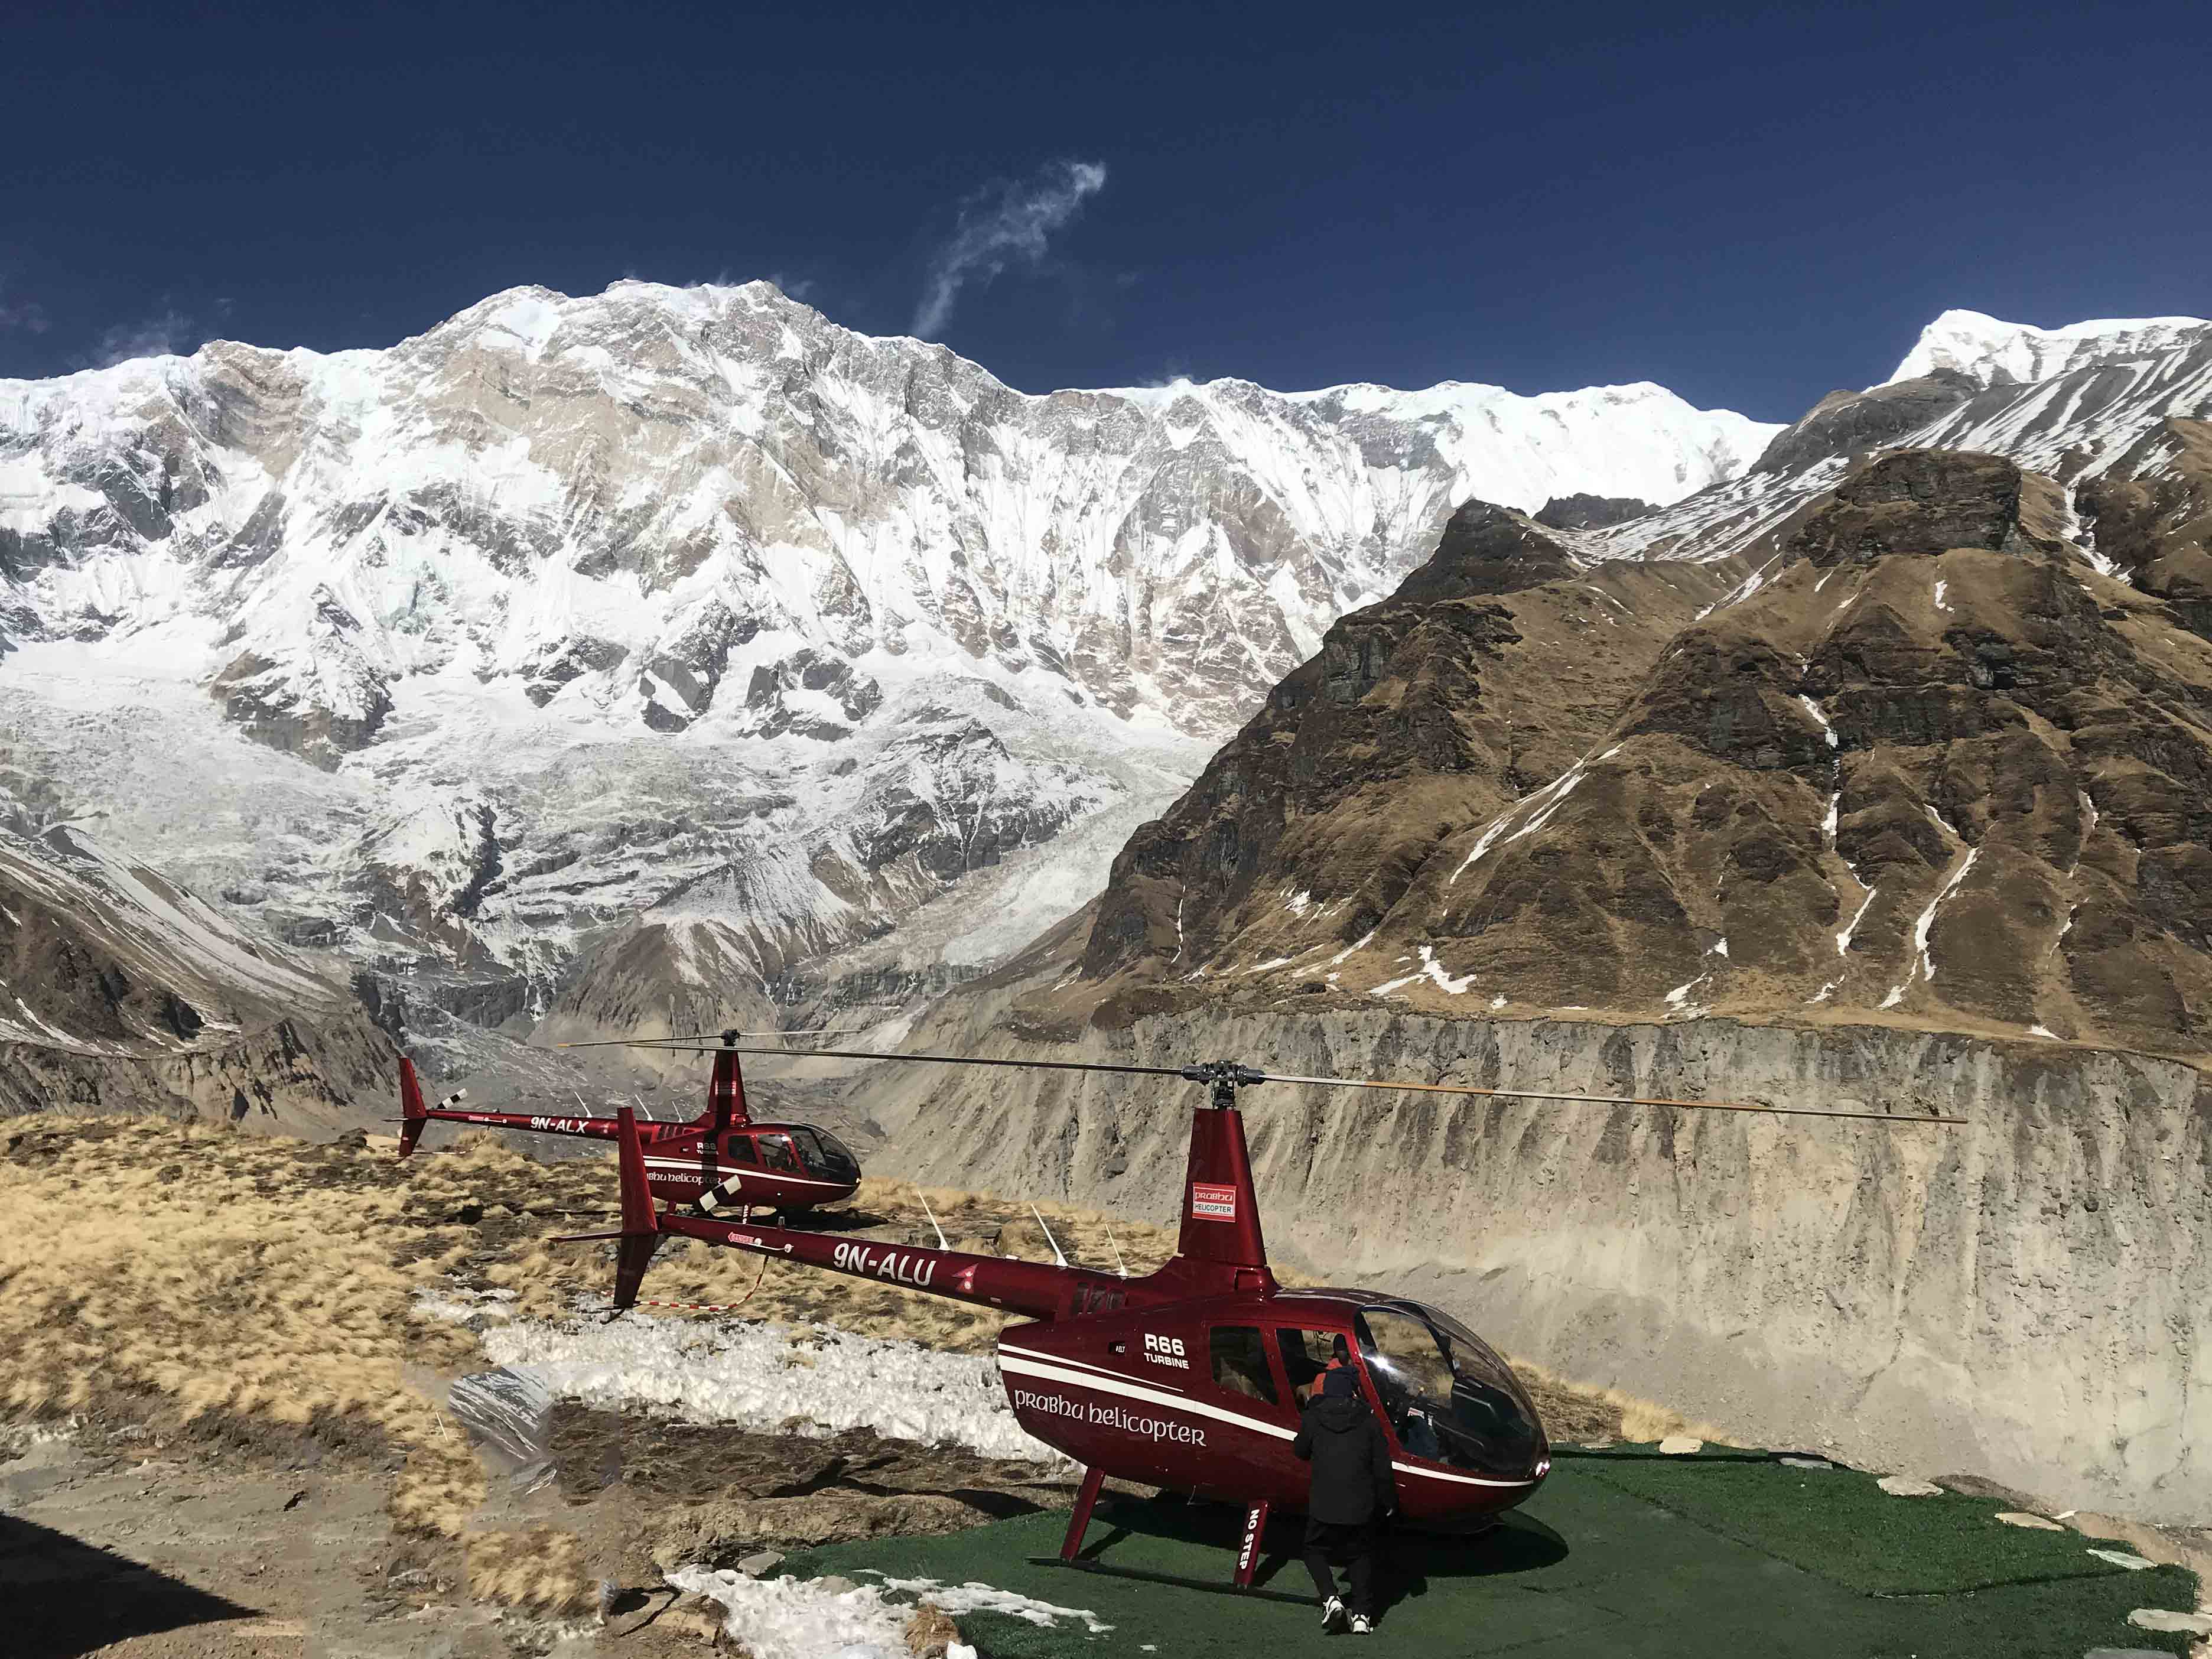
<point>1751,206</point>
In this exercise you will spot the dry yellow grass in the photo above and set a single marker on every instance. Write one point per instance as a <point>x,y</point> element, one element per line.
<point>540,1570</point>
<point>198,1281</point>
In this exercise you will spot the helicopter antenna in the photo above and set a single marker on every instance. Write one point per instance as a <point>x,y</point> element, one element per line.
<point>943,1243</point>
<point>1058,1259</point>
<point>1120,1263</point>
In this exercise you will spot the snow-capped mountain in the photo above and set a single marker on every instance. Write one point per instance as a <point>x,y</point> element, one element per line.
<point>690,616</point>
<point>2099,401</point>
<point>1993,353</point>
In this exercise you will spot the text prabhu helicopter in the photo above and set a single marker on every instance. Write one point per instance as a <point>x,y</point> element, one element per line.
<point>721,1160</point>
<point>1189,1378</point>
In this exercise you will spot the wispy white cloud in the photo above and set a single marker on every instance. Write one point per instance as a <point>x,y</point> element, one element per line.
<point>801,289</point>
<point>159,336</point>
<point>1008,224</point>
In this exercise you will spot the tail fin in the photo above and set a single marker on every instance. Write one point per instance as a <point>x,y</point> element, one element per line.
<point>413,1115</point>
<point>641,1233</point>
<point>1220,1216</point>
<point>640,1228</point>
<point>725,1094</point>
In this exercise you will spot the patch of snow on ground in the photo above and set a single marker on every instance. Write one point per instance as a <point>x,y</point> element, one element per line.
<point>1927,920</point>
<point>2088,829</point>
<point>789,1617</point>
<point>1545,802</point>
<point>2042,1030</point>
<point>1844,938</point>
<point>1359,943</point>
<point>1813,709</point>
<point>973,1597</point>
<point>761,1377</point>
<point>1431,969</point>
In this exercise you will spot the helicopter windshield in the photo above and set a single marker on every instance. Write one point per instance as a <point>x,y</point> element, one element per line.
<point>824,1155</point>
<point>1447,1395</point>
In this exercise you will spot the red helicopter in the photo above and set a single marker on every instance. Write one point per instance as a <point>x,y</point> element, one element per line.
<point>720,1160</point>
<point>1189,1378</point>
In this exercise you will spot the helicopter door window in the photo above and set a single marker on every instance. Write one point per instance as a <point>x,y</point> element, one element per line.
<point>1240,1361</point>
<point>738,1149</point>
<point>777,1156</point>
<point>1306,1355</point>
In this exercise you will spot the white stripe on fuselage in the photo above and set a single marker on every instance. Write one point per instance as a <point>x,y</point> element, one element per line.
<point>1081,1364</point>
<point>694,1166</point>
<point>1026,1362</point>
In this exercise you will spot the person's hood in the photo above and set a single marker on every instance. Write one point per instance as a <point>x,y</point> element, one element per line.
<point>1338,1414</point>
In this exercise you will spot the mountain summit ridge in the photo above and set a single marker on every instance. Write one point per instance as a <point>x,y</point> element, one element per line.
<point>576,607</point>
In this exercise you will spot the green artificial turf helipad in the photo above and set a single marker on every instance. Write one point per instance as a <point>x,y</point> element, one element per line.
<point>1624,1553</point>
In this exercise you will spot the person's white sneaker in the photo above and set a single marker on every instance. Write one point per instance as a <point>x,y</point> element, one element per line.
<point>1332,1615</point>
<point>1361,1626</point>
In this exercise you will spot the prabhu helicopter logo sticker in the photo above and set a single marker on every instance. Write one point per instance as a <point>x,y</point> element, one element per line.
<point>1210,1201</point>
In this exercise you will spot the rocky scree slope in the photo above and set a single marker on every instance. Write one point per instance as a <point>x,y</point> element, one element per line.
<point>691,603</point>
<point>122,992</point>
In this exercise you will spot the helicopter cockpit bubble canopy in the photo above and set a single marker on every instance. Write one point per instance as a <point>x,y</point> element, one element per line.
<point>1449,1397</point>
<point>824,1154</point>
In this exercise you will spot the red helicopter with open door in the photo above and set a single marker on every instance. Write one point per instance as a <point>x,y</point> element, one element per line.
<point>720,1160</point>
<point>1189,1378</point>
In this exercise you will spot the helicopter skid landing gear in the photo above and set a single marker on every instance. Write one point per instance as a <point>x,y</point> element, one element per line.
<point>1247,1554</point>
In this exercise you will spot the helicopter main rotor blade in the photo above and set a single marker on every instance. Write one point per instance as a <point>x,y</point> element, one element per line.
<point>1334,1082</point>
<point>1603,1100</point>
<point>942,1060</point>
<point>709,1036</point>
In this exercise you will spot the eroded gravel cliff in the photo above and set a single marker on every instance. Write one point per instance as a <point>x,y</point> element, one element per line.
<point>2027,1297</point>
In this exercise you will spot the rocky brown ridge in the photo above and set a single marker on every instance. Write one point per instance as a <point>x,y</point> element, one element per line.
<point>1935,769</point>
<point>124,993</point>
<point>1486,673</point>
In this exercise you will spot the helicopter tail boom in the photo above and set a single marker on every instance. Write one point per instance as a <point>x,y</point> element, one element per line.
<point>1034,1290</point>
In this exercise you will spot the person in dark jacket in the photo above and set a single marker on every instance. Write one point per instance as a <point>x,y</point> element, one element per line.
<point>1351,1489</point>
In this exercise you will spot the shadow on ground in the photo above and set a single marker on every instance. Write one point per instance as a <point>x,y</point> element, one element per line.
<point>63,1597</point>
<point>1409,1561</point>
